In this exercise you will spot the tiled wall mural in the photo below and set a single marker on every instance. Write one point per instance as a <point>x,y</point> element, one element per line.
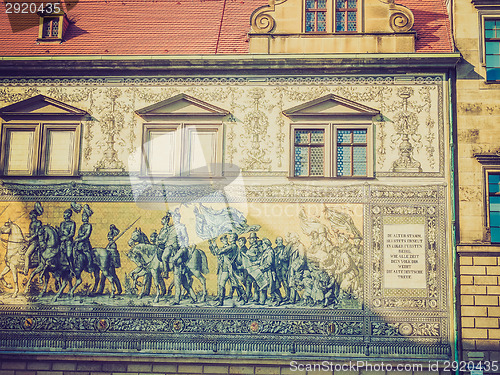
<point>253,262</point>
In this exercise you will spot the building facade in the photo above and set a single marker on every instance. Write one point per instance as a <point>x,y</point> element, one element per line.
<point>477,165</point>
<point>298,192</point>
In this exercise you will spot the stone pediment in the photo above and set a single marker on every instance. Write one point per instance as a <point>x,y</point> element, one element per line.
<point>331,106</point>
<point>181,105</point>
<point>40,106</point>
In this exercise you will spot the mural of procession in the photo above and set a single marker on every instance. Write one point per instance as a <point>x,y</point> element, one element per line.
<point>195,254</point>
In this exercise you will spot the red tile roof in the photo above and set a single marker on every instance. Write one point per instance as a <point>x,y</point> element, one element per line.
<point>174,27</point>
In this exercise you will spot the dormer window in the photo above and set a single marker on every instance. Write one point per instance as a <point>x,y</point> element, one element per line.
<point>346,15</point>
<point>50,27</point>
<point>315,15</point>
<point>53,24</point>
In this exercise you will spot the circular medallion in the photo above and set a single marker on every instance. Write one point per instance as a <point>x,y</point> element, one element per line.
<point>431,210</point>
<point>177,325</point>
<point>376,210</point>
<point>377,302</point>
<point>28,324</point>
<point>405,329</point>
<point>102,325</point>
<point>433,303</point>
<point>254,326</point>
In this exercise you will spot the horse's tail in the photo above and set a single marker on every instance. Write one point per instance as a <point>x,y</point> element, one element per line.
<point>204,263</point>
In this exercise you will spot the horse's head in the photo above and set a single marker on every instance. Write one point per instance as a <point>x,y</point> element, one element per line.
<point>137,235</point>
<point>7,227</point>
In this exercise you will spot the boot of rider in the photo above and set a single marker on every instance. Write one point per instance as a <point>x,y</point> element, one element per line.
<point>263,296</point>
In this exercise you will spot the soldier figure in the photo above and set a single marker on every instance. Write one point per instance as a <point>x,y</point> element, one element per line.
<point>67,230</point>
<point>282,267</point>
<point>178,258</point>
<point>268,267</point>
<point>166,240</point>
<point>228,255</point>
<point>114,261</point>
<point>254,252</point>
<point>32,238</point>
<point>82,241</point>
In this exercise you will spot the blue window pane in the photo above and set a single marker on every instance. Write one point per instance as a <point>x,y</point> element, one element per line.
<point>321,21</point>
<point>495,203</point>
<point>343,161</point>
<point>489,33</point>
<point>317,161</point>
<point>340,24</point>
<point>317,136</point>
<point>359,169</point>
<point>341,3</point>
<point>493,74</point>
<point>494,219</point>
<point>322,4</point>
<point>359,136</point>
<point>495,235</point>
<point>493,61</point>
<point>301,161</point>
<point>492,48</point>
<point>494,188</point>
<point>309,4</point>
<point>301,136</point>
<point>493,178</point>
<point>351,4</point>
<point>344,136</point>
<point>359,154</point>
<point>489,25</point>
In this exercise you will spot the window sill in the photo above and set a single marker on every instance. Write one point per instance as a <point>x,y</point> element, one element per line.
<point>333,178</point>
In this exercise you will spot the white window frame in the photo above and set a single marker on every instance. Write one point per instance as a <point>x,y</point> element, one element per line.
<point>39,162</point>
<point>331,129</point>
<point>182,147</point>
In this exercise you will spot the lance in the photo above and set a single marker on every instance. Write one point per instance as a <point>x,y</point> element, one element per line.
<point>19,217</point>
<point>122,233</point>
<point>4,209</point>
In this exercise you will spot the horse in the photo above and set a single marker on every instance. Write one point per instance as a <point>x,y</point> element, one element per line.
<point>197,264</point>
<point>104,261</point>
<point>143,253</point>
<point>14,256</point>
<point>52,260</point>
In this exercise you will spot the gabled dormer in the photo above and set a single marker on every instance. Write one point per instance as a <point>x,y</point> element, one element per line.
<point>52,24</point>
<point>332,26</point>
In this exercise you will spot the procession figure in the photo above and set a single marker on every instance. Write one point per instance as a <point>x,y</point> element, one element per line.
<point>298,264</point>
<point>48,240</point>
<point>227,255</point>
<point>282,267</point>
<point>253,255</point>
<point>268,267</point>
<point>111,263</point>
<point>82,244</point>
<point>240,271</point>
<point>67,231</point>
<point>166,241</point>
<point>179,257</point>
<point>32,238</point>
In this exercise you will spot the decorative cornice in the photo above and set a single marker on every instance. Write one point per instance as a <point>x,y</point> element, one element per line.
<point>488,159</point>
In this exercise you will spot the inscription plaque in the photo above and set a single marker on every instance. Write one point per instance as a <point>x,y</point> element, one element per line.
<point>404,256</point>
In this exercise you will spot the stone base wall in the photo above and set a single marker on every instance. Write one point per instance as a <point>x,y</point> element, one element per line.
<point>59,365</point>
<point>480,309</point>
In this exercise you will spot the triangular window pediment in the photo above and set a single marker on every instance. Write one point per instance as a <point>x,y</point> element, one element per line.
<point>181,105</point>
<point>331,106</point>
<point>41,106</point>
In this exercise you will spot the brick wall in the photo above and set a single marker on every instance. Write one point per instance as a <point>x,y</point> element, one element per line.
<point>480,309</point>
<point>66,365</point>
